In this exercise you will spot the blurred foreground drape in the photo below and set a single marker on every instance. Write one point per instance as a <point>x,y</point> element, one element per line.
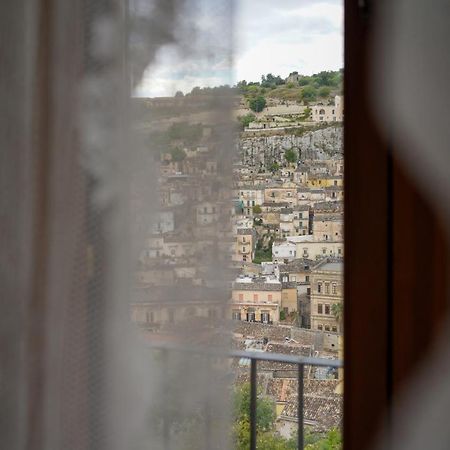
<point>73,372</point>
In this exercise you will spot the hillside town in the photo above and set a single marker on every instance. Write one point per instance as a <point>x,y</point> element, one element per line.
<point>255,246</point>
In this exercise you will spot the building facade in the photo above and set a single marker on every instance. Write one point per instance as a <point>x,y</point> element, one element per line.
<point>327,296</point>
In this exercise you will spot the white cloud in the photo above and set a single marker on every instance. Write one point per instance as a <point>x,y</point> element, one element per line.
<point>270,37</point>
<point>280,37</point>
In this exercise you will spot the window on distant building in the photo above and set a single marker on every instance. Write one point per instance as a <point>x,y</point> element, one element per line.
<point>334,288</point>
<point>334,329</point>
<point>265,317</point>
<point>327,327</point>
<point>306,278</point>
<point>327,309</point>
<point>319,288</point>
<point>320,308</point>
<point>327,288</point>
<point>320,327</point>
<point>241,297</point>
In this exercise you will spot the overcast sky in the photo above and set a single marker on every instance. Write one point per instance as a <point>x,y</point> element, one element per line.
<point>275,37</point>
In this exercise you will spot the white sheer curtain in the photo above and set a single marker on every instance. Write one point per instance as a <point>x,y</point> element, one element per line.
<point>75,373</point>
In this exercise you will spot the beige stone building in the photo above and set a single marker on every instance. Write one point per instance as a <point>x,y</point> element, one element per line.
<point>171,308</point>
<point>286,193</point>
<point>329,113</point>
<point>328,228</point>
<point>289,302</point>
<point>301,220</point>
<point>250,196</point>
<point>311,248</point>
<point>244,250</point>
<point>301,174</point>
<point>333,193</point>
<point>324,180</point>
<point>256,301</point>
<point>271,213</point>
<point>261,299</point>
<point>326,291</point>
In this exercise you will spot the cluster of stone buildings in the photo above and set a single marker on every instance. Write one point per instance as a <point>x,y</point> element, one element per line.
<point>256,251</point>
<point>296,217</point>
<point>291,115</point>
<point>187,239</point>
<point>279,237</point>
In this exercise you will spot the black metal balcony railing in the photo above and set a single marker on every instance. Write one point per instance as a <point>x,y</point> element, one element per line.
<point>254,357</point>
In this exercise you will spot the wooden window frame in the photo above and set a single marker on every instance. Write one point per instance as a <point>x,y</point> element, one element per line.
<point>383,345</point>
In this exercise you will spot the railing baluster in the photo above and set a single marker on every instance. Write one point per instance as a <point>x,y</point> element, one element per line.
<point>208,440</point>
<point>253,394</point>
<point>300,407</point>
<point>165,424</point>
<point>254,358</point>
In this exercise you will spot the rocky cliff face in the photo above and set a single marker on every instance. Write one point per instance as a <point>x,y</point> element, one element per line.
<point>317,144</point>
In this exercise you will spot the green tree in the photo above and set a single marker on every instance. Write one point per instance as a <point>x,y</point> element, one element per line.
<point>332,441</point>
<point>305,80</point>
<point>257,209</point>
<point>309,93</point>
<point>325,78</point>
<point>196,90</point>
<point>179,94</point>
<point>306,113</point>
<point>189,133</point>
<point>178,154</point>
<point>274,167</point>
<point>290,155</point>
<point>271,441</point>
<point>267,439</point>
<point>265,408</point>
<point>245,120</point>
<point>338,311</point>
<point>271,80</point>
<point>324,91</point>
<point>257,104</point>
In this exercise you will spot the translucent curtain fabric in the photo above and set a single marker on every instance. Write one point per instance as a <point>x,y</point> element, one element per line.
<point>81,188</point>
